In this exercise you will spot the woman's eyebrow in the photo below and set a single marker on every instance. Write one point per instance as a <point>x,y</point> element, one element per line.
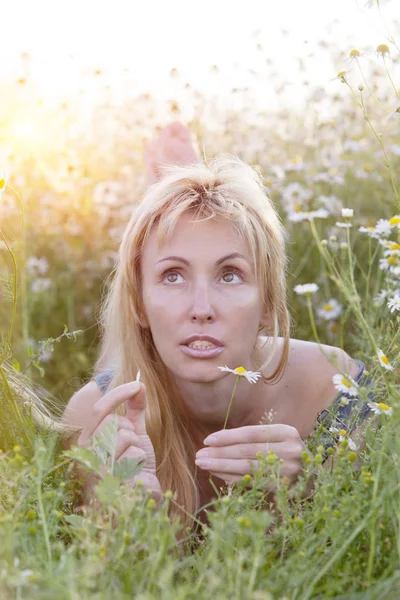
<point>218,262</point>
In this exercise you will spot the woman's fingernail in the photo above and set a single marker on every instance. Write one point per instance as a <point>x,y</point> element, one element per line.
<point>211,439</point>
<point>202,462</point>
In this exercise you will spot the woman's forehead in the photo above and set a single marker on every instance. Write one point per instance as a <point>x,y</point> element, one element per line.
<point>190,233</point>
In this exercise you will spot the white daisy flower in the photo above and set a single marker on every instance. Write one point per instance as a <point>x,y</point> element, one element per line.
<point>383,227</point>
<point>295,194</point>
<point>381,297</point>
<point>347,212</point>
<point>394,221</point>
<point>384,361</point>
<point>295,217</point>
<point>369,231</point>
<point>306,289</point>
<point>331,310</point>
<point>343,436</point>
<point>251,376</point>
<point>394,303</point>
<point>380,408</point>
<point>346,384</point>
<point>343,225</point>
<point>332,203</point>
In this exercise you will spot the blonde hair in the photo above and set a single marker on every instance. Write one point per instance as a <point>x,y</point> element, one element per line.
<point>226,188</point>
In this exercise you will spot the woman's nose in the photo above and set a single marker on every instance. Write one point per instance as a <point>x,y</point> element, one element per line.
<point>202,308</point>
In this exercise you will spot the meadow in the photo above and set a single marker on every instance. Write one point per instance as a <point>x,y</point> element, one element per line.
<point>332,171</point>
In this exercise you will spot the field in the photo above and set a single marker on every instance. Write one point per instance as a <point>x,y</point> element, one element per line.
<point>332,171</point>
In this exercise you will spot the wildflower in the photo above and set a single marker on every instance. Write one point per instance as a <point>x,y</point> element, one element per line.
<point>295,217</point>
<point>382,49</point>
<point>354,53</point>
<point>2,184</point>
<point>394,303</point>
<point>331,310</point>
<point>306,289</point>
<point>395,221</point>
<point>343,437</point>
<point>343,225</point>
<point>332,203</point>
<point>389,264</point>
<point>346,384</point>
<point>351,145</point>
<point>384,361</point>
<point>370,231</point>
<point>251,376</point>
<point>380,408</point>
<point>381,297</point>
<point>347,212</point>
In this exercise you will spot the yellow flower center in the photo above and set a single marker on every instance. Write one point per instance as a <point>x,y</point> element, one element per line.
<point>297,208</point>
<point>328,307</point>
<point>342,432</point>
<point>354,52</point>
<point>384,359</point>
<point>383,49</point>
<point>2,184</point>
<point>240,370</point>
<point>346,382</point>
<point>341,74</point>
<point>394,220</point>
<point>383,406</point>
<point>393,260</point>
<point>394,246</point>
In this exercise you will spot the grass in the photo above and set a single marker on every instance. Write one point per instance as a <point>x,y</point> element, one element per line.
<point>341,542</point>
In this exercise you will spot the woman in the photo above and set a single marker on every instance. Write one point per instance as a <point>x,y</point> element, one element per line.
<point>199,284</point>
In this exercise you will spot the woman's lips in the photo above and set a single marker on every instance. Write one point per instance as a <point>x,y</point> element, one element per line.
<point>201,352</point>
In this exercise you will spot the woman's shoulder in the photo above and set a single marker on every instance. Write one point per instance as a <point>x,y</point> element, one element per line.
<point>311,359</point>
<point>307,387</point>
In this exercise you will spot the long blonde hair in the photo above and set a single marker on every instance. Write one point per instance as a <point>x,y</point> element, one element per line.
<point>227,188</point>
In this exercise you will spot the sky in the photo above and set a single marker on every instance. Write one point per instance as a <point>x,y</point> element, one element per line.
<point>150,37</point>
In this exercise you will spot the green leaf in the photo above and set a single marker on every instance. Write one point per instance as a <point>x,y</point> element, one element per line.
<point>30,350</point>
<point>86,458</point>
<point>107,488</point>
<point>75,520</point>
<point>126,468</point>
<point>107,437</point>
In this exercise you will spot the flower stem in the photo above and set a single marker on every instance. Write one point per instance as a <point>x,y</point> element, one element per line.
<point>230,402</point>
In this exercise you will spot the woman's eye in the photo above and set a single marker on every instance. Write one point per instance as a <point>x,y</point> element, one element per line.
<point>170,276</point>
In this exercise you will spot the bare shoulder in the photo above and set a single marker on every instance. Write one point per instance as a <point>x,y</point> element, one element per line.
<point>306,387</point>
<point>311,368</point>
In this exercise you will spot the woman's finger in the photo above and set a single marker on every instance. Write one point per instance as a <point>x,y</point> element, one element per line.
<point>234,466</point>
<point>106,406</point>
<point>134,452</point>
<point>125,439</point>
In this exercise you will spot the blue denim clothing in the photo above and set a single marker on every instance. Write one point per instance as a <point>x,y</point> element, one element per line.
<point>345,412</point>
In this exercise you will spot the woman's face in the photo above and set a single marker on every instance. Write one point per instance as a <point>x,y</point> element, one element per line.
<point>188,289</point>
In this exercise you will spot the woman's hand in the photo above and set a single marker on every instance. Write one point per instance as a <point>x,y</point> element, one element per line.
<point>233,452</point>
<point>132,439</point>
<point>173,145</point>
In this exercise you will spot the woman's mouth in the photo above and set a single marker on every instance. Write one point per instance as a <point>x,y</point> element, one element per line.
<point>201,349</point>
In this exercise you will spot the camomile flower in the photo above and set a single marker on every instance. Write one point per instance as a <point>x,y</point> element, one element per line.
<point>394,302</point>
<point>384,361</point>
<point>383,227</point>
<point>295,217</point>
<point>395,221</point>
<point>344,436</point>
<point>381,297</point>
<point>346,384</point>
<point>251,376</point>
<point>347,212</point>
<point>306,289</point>
<point>3,182</point>
<point>330,311</point>
<point>343,225</point>
<point>369,231</point>
<point>380,408</point>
